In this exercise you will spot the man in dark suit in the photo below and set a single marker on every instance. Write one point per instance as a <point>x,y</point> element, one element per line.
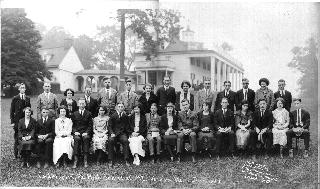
<point>282,93</point>
<point>262,126</point>
<point>91,103</point>
<point>44,136</point>
<point>226,93</point>
<point>19,102</point>
<point>184,94</point>
<point>118,128</point>
<point>224,123</point>
<point>299,127</point>
<point>245,94</point>
<point>165,95</point>
<point>81,129</point>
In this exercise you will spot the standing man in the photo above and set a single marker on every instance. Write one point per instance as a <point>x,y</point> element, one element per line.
<point>165,95</point>
<point>226,93</point>
<point>245,94</point>
<point>264,93</point>
<point>47,100</point>
<point>184,94</point>
<point>91,103</point>
<point>19,102</point>
<point>189,127</point>
<point>129,98</point>
<point>262,122</point>
<point>205,95</point>
<point>282,93</point>
<point>300,122</point>
<point>82,130</point>
<point>107,96</point>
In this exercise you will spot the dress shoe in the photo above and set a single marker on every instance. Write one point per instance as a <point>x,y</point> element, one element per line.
<point>110,164</point>
<point>46,165</point>
<point>127,163</point>
<point>178,159</point>
<point>254,158</point>
<point>22,164</point>
<point>291,153</point>
<point>28,164</point>
<point>75,162</point>
<point>266,156</point>
<point>305,154</point>
<point>194,159</point>
<point>218,157</point>
<point>171,158</point>
<point>38,165</point>
<point>85,161</point>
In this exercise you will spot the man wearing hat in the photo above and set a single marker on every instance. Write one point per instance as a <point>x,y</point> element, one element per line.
<point>165,94</point>
<point>107,96</point>
<point>299,127</point>
<point>264,93</point>
<point>286,95</point>
<point>129,98</point>
<point>245,94</point>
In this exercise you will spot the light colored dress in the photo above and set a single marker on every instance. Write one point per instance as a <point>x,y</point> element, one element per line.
<point>281,118</point>
<point>135,143</point>
<point>242,135</point>
<point>100,136</point>
<point>61,144</point>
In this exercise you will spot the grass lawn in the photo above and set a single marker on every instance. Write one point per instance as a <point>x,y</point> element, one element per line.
<point>225,173</point>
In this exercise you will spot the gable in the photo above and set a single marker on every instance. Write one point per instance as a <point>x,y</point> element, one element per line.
<point>71,62</point>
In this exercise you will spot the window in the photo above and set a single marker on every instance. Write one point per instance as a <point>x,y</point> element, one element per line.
<point>204,65</point>
<point>192,60</point>
<point>209,66</point>
<point>198,62</point>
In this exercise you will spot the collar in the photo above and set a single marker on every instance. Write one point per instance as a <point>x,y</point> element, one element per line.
<point>85,96</point>
<point>119,113</point>
<point>45,118</point>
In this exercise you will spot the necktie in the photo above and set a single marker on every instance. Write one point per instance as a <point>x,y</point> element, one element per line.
<point>22,96</point>
<point>81,112</point>
<point>282,93</point>
<point>88,99</point>
<point>128,94</point>
<point>224,112</point>
<point>44,120</point>
<point>245,95</point>
<point>262,113</point>
<point>108,94</point>
<point>298,119</point>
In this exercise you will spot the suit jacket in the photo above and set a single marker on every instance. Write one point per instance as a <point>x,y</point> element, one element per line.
<point>142,125</point>
<point>109,101</point>
<point>72,108</point>
<point>305,119</point>
<point>166,96</point>
<point>179,98</point>
<point>266,94</point>
<point>231,99</point>
<point>202,97</point>
<point>23,131</point>
<point>45,128</point>
<point>250,99</point>
<point>17,106</point>
<point>188,120</point>
<point>146,104</point>
<point>224,121</point>
<point>118,125</point>
<point>51,104</point>
<point>163,125</point>
<point>92,106</point>
<point>82,123</point>
<point>287,99</point>
<point>130,102</point>
<point>262,122</point>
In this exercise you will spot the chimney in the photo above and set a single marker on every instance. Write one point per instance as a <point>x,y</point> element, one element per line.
<point>68,42</point>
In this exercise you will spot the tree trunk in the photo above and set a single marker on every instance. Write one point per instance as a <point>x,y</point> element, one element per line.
<point>122,51</point>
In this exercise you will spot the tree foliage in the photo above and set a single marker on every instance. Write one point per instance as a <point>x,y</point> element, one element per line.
<point>20,59</point>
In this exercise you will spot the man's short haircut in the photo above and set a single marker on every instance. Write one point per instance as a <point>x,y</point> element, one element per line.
<point>154,104</point>
<point>120,102</point>
<point>128,80</point>
<point>82,98</point>
<point>185,100</point>
<point>46,82</point>
<point>185,82</point>
<point>226,82</point>
<point>44,108</point>
<point>225,98</point>
<point>88,86</point>
<point>281,80</point>
<point>147,84</point>
<point>207,104</point>
<point>28,108</point>
<point>105,78</point>
<point>244,102</point>
<point>166,76</point>
<point>262,99</point>
<point>245,80</point>
<point>297,99</point>
<point>21,84</point>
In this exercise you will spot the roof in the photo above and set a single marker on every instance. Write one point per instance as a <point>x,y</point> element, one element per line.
<point>103,72</point>
<point>57,55</point>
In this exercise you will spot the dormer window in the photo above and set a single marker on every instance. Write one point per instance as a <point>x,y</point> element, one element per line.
<point>46,57</point>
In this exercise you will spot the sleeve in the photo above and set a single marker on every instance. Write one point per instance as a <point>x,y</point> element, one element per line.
<point>195,123</point>
<point>237,120</point>
<point>34,123</point>
<point>232,125</point>
<point>68,131</point>
<point>98,99</point>
<point>19,130</point>
<point>90,124</point>
<point>62,102</point>
<point>144,126</point>
<point>37,129</point>
<point>55,101</point>
<point>180,125</point>
<point>12,110</point>
<point>256,99</point>
<point>73,119</point>
<point>216,104</point>
<point>177,103</point>
<point>38,107</point>
<point>216,122</point>
<point>162,126</point>
<point>174,95</point>
<point>57,129</point>
<point>272,101</point>
<point>51,126</point>
<point>214,98</point>
<point>196,101</point>
<point>289,101</point>
<point>307,121</point>
<point>28,104</point>
<point>110,125</point>
<point>270,120</point>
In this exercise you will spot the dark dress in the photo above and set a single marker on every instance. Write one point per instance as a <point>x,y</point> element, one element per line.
<point>72,107</point>
<point>163,126</point>
<point>24,131</point>
<point>205,139</point>
<point>146,104</point>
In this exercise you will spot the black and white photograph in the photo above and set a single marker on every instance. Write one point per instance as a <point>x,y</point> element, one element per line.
<point>159,94</point>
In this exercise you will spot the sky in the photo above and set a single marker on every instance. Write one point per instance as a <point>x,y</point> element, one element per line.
<point>261,34</point>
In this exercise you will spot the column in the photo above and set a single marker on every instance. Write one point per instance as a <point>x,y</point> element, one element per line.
<point>218,75</point>
<point>213,71</point>
<point>147,77</point>
<point>84,83</point>
<point>237,80</point>
<point>240,79</point>
<point>96,78</point>
<point>224,72</point>
<point>229,73</point>
<point>232,79</point>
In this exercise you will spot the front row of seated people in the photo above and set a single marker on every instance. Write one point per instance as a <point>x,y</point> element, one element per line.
<point>73,136</point>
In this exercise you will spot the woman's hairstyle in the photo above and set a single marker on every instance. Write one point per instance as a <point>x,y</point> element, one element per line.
<point>154,104</point>
<point>244,102</point>
<point>280,99</point>
<point>264,80</point>
<point>185,82</point>
<point>147,84</point>
<point>104,108</point>
<point>66,91</point>
<point>28,108</point>
<point>63,107</point>
<point>207,104</point>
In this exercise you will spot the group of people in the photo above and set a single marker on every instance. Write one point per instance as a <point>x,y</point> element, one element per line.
<point>206,121</point>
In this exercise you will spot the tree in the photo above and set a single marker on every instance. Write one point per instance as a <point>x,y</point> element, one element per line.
<point>305,60</point>
<point>86,50</point>
<point>55,37</point>
<point>20,60</point>
<point>226,46</point>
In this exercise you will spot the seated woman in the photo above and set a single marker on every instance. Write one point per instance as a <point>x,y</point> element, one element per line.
<point>26,130</point>
<point>205,118</point>
<point>100,130</point>
<point>243,120</point>
<point>63,142</point>
<point>169,128</point>
<point>68,102</point>
<point>137,133</point>
<point>153,120</point>
<point>280,125</point>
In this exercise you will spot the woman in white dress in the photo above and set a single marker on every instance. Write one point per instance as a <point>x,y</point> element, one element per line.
<point>63,142</point>
<point>137,133</point>
<point>100,130</point>
<point>280,125</point>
